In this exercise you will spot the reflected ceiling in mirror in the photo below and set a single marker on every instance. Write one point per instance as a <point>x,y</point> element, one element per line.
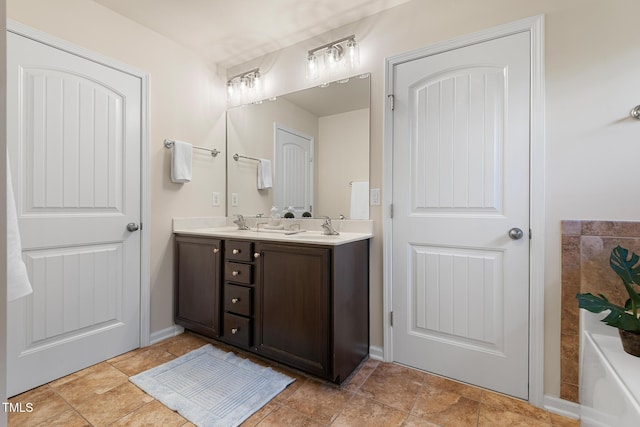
<point>316,142</point>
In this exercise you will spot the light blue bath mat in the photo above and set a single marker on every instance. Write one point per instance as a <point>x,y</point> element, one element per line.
<point>210,387</point>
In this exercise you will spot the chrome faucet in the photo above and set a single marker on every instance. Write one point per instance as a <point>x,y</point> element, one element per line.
<point>328,228</point>
<point>241,223</point>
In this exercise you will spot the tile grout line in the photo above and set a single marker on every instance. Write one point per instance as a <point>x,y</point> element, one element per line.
<point>336,416</point>
<point>73,408</point>
<point>415,400</point>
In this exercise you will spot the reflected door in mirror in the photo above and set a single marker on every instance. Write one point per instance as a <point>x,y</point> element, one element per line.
<point>293,170</point>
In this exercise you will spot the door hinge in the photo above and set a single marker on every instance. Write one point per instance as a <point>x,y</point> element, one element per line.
<point>391,210</point>
<point>530,234</point>
<point>391,318</point>
<point>391,102</point>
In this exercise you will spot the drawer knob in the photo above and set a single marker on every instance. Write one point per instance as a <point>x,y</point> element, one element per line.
<point>216,250</point>
<point>256,254</point>
<point>234,300</point>
<point>235,251</point>
<point>235,273</point>
<point>234,331</point>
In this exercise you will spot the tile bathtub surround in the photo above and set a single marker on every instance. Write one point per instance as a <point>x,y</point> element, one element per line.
<point>381,394</point>
<point>586,248</point>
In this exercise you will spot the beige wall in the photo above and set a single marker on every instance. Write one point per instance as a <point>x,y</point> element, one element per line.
<point>592,63</point>
<point>187,102</point>
<point>343,152</point>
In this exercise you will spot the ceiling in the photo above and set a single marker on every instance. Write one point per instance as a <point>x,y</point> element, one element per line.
<point>230,32</point>
<point>339,97</point>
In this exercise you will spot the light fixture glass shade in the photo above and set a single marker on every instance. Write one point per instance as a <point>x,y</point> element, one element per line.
<point>257,80</point>
<point>244,85</point>
<point>313,71</point>
<point>353,54</point>
<point>332,57</point>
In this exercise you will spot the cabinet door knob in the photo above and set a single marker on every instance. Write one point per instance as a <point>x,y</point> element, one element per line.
<point>235,251</point>
<point>235,273</point>
<point>216,250</point>
<point>234,300</point>
<point>234,331</point>
<point>256,254</point>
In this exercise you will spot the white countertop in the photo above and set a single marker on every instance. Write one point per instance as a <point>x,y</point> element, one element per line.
<point>350,231</point>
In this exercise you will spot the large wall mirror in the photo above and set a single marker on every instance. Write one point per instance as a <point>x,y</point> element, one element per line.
<point>316,142</point>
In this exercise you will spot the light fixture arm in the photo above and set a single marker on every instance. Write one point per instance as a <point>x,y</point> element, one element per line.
<point>245,74</point>
<point>333,43</point>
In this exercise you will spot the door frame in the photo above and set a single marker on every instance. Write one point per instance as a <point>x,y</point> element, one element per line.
<point>535,26</point>
<point>145,219</point>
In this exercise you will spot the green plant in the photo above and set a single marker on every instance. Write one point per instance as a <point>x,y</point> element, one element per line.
<point>625,318</point>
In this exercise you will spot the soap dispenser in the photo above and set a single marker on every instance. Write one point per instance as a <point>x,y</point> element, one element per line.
<point>274,221</point>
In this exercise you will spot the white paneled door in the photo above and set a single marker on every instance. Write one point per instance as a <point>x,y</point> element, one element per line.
<point>74,135</point>
<point>293,160</point>
<point>461,214</point>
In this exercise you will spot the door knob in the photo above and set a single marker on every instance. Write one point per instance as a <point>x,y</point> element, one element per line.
<point>516,233</point>
<point>132,226</point>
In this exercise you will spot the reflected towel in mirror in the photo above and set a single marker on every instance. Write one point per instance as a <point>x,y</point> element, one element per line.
<point>264,174</point>
<point>181,166</point>
<point>359,200</point>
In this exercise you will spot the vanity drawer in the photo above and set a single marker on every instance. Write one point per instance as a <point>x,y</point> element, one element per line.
<point>237,250</point>
<point>236,272</point>
<point>237,299</point>
<point>237,329</point>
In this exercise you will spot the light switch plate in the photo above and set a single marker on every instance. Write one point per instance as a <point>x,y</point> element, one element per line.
<point>374,197</point>
<point>234,199</point>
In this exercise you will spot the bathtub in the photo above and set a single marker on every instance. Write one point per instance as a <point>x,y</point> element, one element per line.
<point>609,378</point>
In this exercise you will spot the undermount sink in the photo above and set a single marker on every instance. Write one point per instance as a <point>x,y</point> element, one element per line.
<point>271,230</point>
<point>313,234</point>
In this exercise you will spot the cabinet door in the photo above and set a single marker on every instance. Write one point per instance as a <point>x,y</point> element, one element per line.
<point>198,276</point>
<point>293,309</point>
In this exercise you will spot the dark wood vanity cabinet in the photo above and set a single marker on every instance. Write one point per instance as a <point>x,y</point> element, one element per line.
<point>197,291</point>
<point>294,305</point>
<point>313,306</point>
<point>304,305</point>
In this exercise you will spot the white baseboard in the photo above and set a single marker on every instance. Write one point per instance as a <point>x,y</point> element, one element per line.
<point>561,407</point>
<point>376,353</point>
<point>163,334</point>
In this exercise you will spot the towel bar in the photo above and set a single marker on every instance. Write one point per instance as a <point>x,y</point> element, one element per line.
<point>214,152</point>
<point>237,156</point>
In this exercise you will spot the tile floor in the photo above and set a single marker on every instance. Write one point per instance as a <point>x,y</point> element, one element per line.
<point>379,394</point>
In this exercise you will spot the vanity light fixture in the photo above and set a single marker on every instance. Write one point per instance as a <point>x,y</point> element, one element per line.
<point>244,85</point>
<point>340,53</point>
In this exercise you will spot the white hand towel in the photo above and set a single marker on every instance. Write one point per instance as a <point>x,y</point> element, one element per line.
<point>359,200</point>
<point>181,162</point>
<point>18,284</point>
<point>264,174</point>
